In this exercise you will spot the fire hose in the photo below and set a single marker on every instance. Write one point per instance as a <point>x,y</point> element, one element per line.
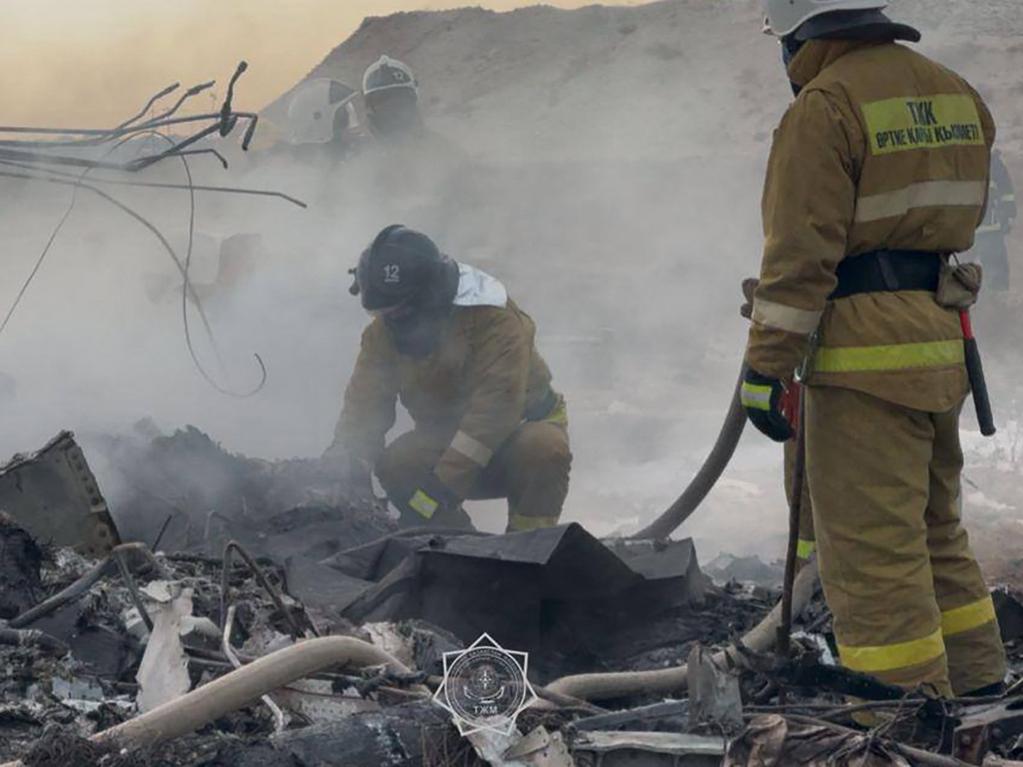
<point>735,420</point>
<point>708,474</point>
<point>239,688</point>
<point>760,638</point>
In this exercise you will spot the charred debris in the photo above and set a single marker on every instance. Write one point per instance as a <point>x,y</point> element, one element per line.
<point>238,617</point>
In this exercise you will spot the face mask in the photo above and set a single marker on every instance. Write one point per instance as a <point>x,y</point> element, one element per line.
<point>394,113</point>
<point>418,334</point>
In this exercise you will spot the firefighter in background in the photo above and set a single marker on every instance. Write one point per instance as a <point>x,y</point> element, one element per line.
<point>322,121</point>
<point>390,94</point>
<point>878,170</point>
<point>989,248</point>
<point>415,168</point>
<point>448,342</point>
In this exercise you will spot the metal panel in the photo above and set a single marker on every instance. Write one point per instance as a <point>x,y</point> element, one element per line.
<point>54,495</point>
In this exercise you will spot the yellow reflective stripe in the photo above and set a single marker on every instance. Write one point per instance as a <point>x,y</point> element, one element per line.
<point>922,122</point>
<point>472,448</point>
<point>856,359</point>
<point>782,317</point>
<point>893,656</point>
<point>756,396</point>
<point>423,504</point>
<point>805,548</point>
<point>960,619</point>
<point>926,194</point>
<point>518,523</point>
<point>559,415</point>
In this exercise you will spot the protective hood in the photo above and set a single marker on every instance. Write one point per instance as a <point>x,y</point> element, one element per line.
<point>477,288</point>
<point>856,25</point>
<point>417,334</point>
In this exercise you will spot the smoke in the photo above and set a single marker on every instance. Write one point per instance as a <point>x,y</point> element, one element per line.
<point>605,164</point>
<point>90,63</point>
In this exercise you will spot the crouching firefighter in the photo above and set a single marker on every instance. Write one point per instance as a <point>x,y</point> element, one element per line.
<point>461,356</point>
<point>878,173</point>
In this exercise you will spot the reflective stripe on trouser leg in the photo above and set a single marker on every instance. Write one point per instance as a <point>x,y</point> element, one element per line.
<point>976,657</point>
<point>806,544</point>
<point>520,522</point>
<point>867,462</point>
<point>534,468</point>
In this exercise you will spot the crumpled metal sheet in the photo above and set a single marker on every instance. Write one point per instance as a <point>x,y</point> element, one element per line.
<point>410,734</point>
<point>54,495</point>
<point>552,592</point>
<point>647,749</point>
<point>1009,607</point>
<point>774,741</point>
<point>540,748</point>
<point>713,692</point>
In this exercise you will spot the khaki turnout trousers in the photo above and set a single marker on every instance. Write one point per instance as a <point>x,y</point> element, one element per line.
<point>530,469</point>
<point>910,605</point>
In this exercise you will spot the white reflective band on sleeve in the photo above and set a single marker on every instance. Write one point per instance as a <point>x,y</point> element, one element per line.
<point>788,318</point>
<point>472,448</point>
<point>927,194</point>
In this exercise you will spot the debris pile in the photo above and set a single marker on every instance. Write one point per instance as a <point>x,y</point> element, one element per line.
<point>316,634</point>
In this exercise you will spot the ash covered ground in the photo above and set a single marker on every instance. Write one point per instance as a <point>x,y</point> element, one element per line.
<point>606,164</point>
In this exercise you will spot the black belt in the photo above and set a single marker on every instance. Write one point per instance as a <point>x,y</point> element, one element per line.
<point>887,271</point>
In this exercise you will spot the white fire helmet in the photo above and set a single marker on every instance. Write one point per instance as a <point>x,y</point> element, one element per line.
<point>313,112</point>
<point>387,73</point>
<point>782,17</point>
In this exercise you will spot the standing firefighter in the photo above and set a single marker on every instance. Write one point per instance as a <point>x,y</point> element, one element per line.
<point>878,172</point>
<point>460,355</point>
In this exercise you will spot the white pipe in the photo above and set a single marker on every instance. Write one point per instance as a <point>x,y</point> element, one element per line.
<point>241,687</point>
<point>280,722</point>
<point>618,684</point>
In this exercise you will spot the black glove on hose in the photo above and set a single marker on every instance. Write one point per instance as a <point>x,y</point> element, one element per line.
<point>762,398</point>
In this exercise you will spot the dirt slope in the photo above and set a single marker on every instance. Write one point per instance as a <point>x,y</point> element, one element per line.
<point>672,78</point>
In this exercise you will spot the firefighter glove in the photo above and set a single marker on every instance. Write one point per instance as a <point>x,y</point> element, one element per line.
<point>430,497</point>
<point>763,397</point>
